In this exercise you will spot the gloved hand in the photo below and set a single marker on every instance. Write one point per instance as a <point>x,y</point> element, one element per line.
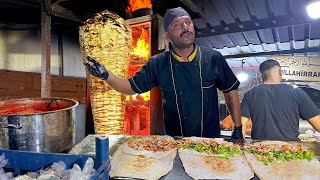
<point>237,133</point>
<point>97,69</point>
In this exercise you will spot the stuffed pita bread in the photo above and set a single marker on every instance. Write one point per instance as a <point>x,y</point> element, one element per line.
<point>281,160</point>
<point>205,158</point>
<point>148,157</point>
<point>156,147</point>
<point>138,166</point>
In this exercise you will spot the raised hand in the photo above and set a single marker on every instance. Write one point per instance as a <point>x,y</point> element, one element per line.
<point>97,69</point>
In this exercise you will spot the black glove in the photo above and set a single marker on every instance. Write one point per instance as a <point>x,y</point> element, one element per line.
<point>237,133</point>
<point>97,69</point>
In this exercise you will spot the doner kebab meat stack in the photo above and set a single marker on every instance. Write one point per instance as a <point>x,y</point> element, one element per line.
<point>107,38</point>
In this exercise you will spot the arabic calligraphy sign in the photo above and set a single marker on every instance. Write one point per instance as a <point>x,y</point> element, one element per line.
<point>299,68</point>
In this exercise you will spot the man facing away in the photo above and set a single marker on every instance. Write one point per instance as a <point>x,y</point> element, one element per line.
<point>275,108</point>
<point>188,76</point>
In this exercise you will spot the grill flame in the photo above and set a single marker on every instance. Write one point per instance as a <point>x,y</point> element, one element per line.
<point>138,4</point>
<point>142,47</point>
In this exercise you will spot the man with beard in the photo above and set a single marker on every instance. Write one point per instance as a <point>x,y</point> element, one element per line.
<point>188,76</point>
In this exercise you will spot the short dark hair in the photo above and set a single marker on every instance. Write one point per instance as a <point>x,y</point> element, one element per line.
<point>267,65</point>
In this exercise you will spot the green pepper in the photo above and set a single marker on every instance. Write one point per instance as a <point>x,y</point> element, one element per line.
<point>209,151</point>
<point>308,155</point>
<point>206,146</point>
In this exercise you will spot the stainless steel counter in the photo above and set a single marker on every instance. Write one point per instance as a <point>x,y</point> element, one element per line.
<point>87,146</point>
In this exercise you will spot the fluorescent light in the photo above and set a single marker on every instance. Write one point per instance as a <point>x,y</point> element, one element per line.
<point>313,10</point>
<point>242,76</point>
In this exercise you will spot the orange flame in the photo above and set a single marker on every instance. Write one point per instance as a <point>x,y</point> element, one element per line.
<point>142,48</point>
<point>138,4</point>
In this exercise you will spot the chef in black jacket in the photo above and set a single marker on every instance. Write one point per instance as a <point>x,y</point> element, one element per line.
<point>188,76</point>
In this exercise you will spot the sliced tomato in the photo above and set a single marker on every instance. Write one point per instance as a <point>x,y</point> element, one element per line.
<point>214,150</point>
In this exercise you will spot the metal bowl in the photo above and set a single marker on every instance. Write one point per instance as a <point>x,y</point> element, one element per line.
<point>38,124</point>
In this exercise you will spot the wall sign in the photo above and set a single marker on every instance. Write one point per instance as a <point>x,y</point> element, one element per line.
<point>299,68</point>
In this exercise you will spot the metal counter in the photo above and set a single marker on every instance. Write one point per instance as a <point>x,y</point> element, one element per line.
<point>87,146</point>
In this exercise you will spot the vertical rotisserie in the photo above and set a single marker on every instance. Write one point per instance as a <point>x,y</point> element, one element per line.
<point>107,38</point>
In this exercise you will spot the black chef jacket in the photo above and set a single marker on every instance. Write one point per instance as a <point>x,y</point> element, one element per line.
<point>189,90</point>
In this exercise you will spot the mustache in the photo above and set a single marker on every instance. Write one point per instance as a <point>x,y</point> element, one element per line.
<point>185,32</point>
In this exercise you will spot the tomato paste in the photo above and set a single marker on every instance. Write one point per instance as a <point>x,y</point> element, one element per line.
<point>29,109</point>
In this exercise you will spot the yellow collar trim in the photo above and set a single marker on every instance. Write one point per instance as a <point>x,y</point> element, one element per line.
<point>190,57</point>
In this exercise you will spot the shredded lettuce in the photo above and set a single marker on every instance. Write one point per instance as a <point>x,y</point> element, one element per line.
<point>226,151</point>
<point>276,155</point>
<point>219,150</point>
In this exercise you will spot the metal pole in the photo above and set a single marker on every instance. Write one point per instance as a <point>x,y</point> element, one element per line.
<point>45,49</point>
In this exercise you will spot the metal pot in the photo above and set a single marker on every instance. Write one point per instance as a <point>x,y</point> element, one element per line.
<point>38,124</point>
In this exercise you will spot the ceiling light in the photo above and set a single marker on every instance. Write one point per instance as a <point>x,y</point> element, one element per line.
<point>313,9</point>
<point>242,76</point>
